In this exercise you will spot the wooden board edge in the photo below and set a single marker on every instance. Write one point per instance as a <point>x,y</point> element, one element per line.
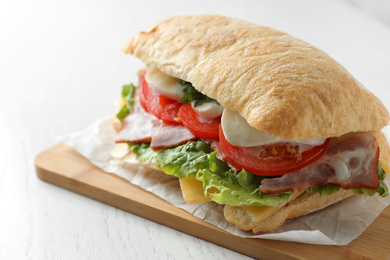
<point>183,222</point>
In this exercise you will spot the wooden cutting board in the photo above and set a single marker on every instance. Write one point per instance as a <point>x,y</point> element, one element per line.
<point>61,165</point>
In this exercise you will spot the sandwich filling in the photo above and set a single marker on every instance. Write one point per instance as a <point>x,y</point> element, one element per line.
<point>167,122</point>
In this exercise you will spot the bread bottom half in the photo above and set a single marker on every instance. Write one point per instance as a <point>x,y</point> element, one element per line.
<point>245,218</point>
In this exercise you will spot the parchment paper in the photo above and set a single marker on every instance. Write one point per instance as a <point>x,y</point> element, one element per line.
<point>338,224</point>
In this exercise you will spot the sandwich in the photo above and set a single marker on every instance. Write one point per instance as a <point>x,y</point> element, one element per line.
<point>251,118</point>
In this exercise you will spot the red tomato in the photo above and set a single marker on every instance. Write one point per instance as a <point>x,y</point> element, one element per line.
<point>144,91</point>
<point>276,159</point>
<point>160,106</point>
<point>198,127</point>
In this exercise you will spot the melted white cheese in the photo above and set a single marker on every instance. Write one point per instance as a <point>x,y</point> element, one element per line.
<point>238,132</point>
<point>162,83</point>
<point>209,111</point>
<point>341,163</point>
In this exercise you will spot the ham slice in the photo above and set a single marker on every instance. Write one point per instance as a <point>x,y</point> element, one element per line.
<point>171,136</point>
<point>350,162</point>
<point>139,126</point>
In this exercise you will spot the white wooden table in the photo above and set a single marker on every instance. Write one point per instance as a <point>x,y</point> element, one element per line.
<point>61,69</point>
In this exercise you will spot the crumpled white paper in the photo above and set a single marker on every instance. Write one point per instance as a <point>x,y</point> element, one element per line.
<point>338,224</point>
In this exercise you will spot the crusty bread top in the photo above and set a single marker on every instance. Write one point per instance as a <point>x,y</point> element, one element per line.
<point>278,83</point>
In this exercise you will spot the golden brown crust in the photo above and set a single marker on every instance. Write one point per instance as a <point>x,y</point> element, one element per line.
<point>278,83</point>
<point>306,203</point>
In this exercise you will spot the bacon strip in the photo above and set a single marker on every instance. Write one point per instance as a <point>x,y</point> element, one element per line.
<point>350,162</point>
<point>171,136</point>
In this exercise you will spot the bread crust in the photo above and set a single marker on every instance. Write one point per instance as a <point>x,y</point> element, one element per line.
<point>278,83</point>
<point>245,219</point>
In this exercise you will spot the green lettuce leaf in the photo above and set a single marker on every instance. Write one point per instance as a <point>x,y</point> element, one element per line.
<point>144,152</point>
<point>240,189</point>
<point>197,159</point>
<point>181,161</point>
<point>323,189</point>
<point>128,92</point>
<point>185,160</point>
<point>190,94</point>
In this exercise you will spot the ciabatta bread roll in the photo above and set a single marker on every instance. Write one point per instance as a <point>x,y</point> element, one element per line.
<point>298,131</point>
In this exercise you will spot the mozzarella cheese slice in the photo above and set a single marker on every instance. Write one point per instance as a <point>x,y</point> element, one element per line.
<point>162,83</point>
<point>209,111</point>
<point>239,133</point>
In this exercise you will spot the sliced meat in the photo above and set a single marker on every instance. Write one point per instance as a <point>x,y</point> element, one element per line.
<point>139,126</point>
<point>171,136</point>
<point>350,162</point>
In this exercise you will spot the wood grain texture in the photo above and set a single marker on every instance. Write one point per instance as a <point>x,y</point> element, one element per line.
<point>61,165</point>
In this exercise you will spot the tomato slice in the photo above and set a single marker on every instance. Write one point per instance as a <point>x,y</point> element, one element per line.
<point>270,160</point>
<point>160,106</point>
<point>197,126</point>
<point>143,92</point>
